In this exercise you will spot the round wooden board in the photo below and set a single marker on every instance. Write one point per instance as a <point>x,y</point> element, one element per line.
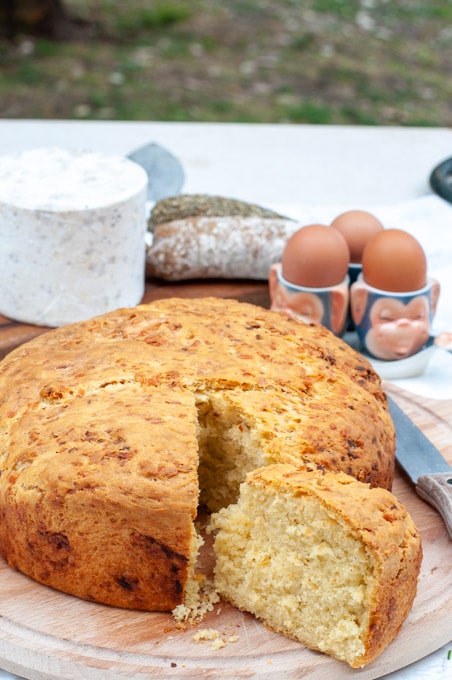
<point>49,635</point>
<point>46,635</point>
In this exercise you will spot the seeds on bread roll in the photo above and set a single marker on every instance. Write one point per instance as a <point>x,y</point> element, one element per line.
<point>182,206</point>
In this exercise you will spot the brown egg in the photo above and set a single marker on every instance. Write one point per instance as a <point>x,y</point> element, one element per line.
<point>315,256</point>
<point>357,227</point>
<point>394,260</point>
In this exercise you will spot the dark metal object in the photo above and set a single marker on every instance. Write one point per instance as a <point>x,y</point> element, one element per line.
<point>441,179</point>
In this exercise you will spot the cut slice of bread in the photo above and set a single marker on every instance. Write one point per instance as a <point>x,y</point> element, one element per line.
<point>320,557</point>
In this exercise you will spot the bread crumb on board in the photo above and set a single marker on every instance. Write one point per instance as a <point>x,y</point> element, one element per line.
<point>212,635</point>
<point>201,601</point>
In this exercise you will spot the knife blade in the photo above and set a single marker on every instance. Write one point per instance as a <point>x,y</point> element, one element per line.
<point>426,467</point>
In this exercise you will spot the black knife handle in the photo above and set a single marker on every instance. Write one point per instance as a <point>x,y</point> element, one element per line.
<point>436,489</point>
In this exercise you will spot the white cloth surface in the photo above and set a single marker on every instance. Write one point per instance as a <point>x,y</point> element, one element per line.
<point>437,666</point>
<point>429,219</point>
<point>233,160</point>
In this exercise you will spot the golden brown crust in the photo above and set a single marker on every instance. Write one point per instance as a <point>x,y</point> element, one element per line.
<point>85,494</point>
<point>77,400</point>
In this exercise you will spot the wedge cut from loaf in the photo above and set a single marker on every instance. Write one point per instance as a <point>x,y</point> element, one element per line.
<point>319,557</point>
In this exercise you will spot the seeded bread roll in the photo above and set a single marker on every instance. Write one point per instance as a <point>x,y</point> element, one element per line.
<point>320,557</point>
<point>217,247</point>
<point>205,236</point>
<point>111,429</point>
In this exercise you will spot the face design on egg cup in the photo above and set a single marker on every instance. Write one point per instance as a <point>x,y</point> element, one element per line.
<point>391,325</point>
<point>326,306</point>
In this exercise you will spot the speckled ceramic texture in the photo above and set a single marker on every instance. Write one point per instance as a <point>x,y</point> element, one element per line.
<point>72,235</point>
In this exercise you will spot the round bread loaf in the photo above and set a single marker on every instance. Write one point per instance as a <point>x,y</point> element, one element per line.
<point>112,429</point>
<point>320,557</point>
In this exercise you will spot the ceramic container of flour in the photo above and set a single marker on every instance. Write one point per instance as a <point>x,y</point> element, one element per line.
<point>72,235</point>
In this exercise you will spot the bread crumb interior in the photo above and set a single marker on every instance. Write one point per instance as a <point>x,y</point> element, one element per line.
<point>295,567</point>
<point>291,564</point>
<point>228,450</point>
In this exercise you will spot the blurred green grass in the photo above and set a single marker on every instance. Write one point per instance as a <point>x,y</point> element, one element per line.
<point>365,62</point>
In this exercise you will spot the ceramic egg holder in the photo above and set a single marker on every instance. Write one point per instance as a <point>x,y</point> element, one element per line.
<point>311,281</point>
<point>325,305</point>
<point>391,327</point>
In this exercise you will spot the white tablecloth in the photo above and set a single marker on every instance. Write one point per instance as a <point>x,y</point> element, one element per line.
<point>310,172</point>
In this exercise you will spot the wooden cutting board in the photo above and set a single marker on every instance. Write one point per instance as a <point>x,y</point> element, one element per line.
<point>46,635</point>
